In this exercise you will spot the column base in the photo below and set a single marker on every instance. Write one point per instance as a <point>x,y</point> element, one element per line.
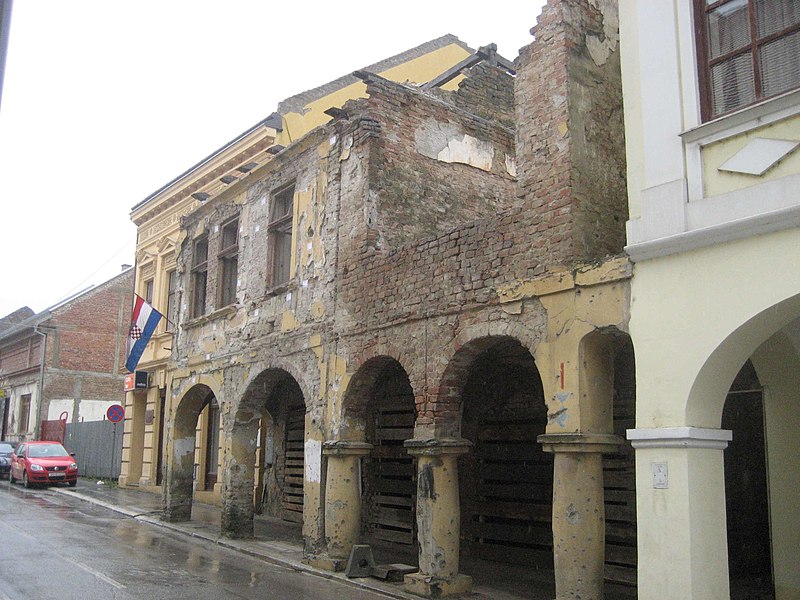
<point>437,587</point>
<point>326,563</point>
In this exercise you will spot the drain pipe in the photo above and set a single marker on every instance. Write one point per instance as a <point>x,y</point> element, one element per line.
<point>40,400</point>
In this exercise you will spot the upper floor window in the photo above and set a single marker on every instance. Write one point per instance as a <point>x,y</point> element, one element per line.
<point>280,234</point>
<point>148,291</point>
<point>172,299</point>
<point>228,262</point>
<point>748,50</point>
<point>199,276</point>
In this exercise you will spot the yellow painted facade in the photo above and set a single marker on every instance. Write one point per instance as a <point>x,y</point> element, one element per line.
<point>718,182</point>
<point>158,240</point>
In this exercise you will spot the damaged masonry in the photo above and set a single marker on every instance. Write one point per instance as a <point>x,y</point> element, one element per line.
<point>407,327</point>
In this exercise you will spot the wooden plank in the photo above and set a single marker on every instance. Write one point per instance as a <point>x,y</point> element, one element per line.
<point>514,510</point>
<point>396,468</point>
<point>395,434</point>
<point>517,533</point>
<point>522,452</point>
<point>515,473</point>
<point>391,535</point>
<point>536,558</point>
<point>619,574</point>
<point>389,500</point>
<point>528,491</point>
<point>505,433</point>
<point>624,555</point>
<point>392,486</point>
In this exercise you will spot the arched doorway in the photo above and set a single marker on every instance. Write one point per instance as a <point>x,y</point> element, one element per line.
<point>506,480</point>
<point>380,409</point>
<point>266,463</point>
<point>179,491</point>
<point>746,489</point>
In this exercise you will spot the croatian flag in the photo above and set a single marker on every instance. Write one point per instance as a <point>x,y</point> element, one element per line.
<point>144,320</point>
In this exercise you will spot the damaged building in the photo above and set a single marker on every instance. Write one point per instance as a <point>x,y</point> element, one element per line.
<point>408,327</point>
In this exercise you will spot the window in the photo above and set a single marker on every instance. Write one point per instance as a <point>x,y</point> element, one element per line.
<point>228,263</point>
<point>148,291</point>
<point>748,50</point>
<point>280,234</point>
<point>172,299</point>
<point>199,276</point>
<point>24,412</point>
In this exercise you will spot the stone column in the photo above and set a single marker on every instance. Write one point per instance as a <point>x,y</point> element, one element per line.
<point>438,518</point>
<point>578,512</point>
<point>342,500</point>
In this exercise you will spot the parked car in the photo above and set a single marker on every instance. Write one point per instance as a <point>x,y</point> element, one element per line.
<point>43,462</point>
<point>6,450</point>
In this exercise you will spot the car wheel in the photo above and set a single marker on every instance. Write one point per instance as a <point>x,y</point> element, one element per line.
<point>73,483</point>
<point>25,481</point>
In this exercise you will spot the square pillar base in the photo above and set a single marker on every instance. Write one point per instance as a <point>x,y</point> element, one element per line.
<point>326,563</point>
<point>437,587</point>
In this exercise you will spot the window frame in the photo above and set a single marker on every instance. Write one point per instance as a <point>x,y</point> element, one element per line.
<point>228,264</point>
<point>171,316</point>
<point>279,232</point>
<point>199,273</point>
<point>25,405</point>
<point>147,291</point>
<point>705,63</point>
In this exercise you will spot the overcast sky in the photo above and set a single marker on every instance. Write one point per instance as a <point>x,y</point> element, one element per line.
<point>105,101</point>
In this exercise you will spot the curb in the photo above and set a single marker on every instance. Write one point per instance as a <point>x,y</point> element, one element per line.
<point>143,517</point>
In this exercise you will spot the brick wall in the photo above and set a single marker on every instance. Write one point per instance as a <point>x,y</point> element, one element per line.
<point>571,183</point>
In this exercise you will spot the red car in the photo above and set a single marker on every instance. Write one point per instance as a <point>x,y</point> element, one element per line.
<point>43,462</point>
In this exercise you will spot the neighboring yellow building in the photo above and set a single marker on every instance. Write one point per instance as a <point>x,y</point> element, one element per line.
<point>158,218</point>
<point>712,124</point>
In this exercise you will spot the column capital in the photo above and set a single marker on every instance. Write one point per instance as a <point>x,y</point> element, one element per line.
<point>680,437</point>
<point>345,448</point>
<point>437,447</point>
<point>580,442</point>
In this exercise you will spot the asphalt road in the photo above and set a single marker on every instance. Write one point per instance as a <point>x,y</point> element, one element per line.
<point>56,547</point>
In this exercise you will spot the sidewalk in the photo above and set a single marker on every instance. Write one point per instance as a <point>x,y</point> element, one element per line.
<point>275,541</point>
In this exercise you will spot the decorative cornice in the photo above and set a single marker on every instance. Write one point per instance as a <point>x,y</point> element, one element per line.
<point>680,437</point>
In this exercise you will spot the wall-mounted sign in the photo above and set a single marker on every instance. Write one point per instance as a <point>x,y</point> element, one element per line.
<point>136,381</point>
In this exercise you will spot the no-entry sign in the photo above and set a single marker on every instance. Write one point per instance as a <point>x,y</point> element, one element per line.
<point>115,413</point>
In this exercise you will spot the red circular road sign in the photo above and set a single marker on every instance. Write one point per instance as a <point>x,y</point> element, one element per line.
<point>115,413</point>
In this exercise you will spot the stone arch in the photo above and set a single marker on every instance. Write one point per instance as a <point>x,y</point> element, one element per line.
<point>714,378</point>
<point>491,394</point>
<point>379,408</point>
<point>266,426</point>
<point>608,406</point>
<point>178,487</point>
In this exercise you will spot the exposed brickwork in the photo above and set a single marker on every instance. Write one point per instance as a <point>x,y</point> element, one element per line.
<point>85,348</point>
<point>408,221</point>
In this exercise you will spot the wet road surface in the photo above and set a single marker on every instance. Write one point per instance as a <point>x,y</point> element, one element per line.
<point>56,547</point>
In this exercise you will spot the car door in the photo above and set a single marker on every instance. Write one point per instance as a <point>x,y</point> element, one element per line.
<point>18,461</point>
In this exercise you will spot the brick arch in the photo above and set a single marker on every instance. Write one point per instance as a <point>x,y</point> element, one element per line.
<point>445,403</point>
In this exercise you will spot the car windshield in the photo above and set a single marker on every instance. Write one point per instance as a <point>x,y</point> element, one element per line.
<point>6,448</point>
<point>45,450</point>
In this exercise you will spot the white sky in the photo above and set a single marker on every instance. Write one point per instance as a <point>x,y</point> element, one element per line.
<point>106,101</point>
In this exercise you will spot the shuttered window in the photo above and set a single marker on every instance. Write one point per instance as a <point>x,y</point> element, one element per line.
<point>748,50</point>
